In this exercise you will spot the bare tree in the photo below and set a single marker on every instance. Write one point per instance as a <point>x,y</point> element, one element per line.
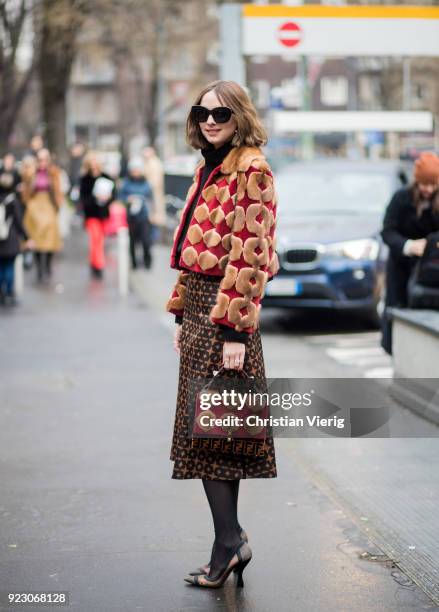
<point>154,29</point>
<point>141,36</point>
<point>14,83</point>
<point>61,21</point>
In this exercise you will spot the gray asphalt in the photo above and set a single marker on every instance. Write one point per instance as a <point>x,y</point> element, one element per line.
<point>88,392</point>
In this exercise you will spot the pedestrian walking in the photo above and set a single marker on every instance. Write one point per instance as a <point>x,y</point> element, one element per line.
<point>411,215</point>
<point>155,176</point>
<point>95,210</point>
<point>12,232</point>
<point>136,193</point>
<point>9,176</point>
<point>224,249</point>
<point>43,198</point>
<point>11,228</point>
<point>35,145</point>
<point>76,157</point>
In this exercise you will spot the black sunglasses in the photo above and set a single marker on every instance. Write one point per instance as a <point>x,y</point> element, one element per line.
<point>220,114</point>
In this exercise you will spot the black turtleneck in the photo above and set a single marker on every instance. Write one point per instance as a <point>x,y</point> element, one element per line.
<point>214,158</point>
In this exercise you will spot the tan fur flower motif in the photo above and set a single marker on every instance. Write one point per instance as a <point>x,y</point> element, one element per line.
<point>223,194</point>
<point>194,234</point>
<point>201,213</point>
<point>207,260</point>
<point>235,316</point>
<point>229,278</point>
<point>189,256</point>
<point>216,215</point>
<point>260,228</point>
<point>211,238</point>
<point>226,241</point>
<point>209,193</point>
<point>236,250</point>
<point>239,219</point>
<point>250,255</point>
<point>176,302</point>
<point>251,282</point>
<point>260,186</point>
<point>220,308</point>
<point>224,260</point>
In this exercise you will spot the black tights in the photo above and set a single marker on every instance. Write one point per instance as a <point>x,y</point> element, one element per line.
<point>44,263</point>
<point>222,496</point>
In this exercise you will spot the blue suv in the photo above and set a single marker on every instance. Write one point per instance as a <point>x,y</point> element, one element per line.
<point>330,214</point>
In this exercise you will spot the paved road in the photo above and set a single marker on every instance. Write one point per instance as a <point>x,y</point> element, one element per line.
<point>88,388</point>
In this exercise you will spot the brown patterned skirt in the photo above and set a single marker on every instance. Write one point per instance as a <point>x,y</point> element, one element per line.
<point>201,354</point>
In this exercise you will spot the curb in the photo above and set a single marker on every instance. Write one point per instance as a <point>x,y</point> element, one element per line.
<point>417,396</point>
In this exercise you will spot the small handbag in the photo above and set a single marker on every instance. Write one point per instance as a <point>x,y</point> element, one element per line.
<point>239,428</point>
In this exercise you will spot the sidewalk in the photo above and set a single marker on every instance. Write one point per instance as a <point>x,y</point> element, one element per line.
<point>87,505</point>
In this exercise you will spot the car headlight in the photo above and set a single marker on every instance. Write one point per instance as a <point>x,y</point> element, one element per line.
<point>354,249</point>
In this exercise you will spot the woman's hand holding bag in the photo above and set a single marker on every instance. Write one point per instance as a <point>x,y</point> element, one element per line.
<point>233,355</point>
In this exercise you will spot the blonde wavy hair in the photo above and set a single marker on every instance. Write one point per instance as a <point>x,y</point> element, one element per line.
<point>87,162</point>
<point>250,131</point>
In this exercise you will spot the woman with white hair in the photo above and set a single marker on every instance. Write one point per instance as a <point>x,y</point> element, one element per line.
<point>136,193</point>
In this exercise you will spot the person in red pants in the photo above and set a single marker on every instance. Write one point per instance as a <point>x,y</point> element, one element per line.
<point>96,211</point>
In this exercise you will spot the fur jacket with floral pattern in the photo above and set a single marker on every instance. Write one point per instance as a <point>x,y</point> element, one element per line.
<point>231,234</point>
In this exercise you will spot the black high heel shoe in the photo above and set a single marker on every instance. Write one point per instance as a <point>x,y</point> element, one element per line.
<point>204,569</point>
<point>239,560</point>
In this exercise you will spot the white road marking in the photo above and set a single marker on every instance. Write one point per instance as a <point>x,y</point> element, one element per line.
<point>371,338</point>
<point>345,355</point>
<point>359,351</point>
<point>379,373</point>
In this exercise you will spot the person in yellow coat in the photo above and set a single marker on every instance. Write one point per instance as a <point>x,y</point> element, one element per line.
<point>43,198</point>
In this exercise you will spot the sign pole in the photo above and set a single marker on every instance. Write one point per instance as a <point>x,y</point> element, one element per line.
<point>232,66</point>
<point>307,139</point>
<point>406,83</point>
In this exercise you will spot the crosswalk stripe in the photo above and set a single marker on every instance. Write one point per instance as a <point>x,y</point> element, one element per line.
<point>372,339</point>
<point>379,373</point>
<point>343,354</point>
<point>364,353</point>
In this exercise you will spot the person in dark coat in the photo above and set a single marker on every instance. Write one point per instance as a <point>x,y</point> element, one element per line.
<point>95,213</point>
<point>411,215</point>
<point>9,176</point>
<point>77,152</point>
<point>11,227</point>
<point>136,193</point>
<point>11,232</point>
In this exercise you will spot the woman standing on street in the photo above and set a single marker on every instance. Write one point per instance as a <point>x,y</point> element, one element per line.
<point>411,215</point>
<point>43,198</point>
<point>224,249</point>
<point>95,212</point>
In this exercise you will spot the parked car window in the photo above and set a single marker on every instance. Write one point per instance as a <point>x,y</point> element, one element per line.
<point>334,192</point>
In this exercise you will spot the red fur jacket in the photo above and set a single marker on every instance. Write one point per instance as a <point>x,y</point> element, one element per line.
<point>231,234</point>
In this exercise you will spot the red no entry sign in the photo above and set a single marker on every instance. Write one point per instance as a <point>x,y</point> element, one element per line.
<point>290,34</point>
